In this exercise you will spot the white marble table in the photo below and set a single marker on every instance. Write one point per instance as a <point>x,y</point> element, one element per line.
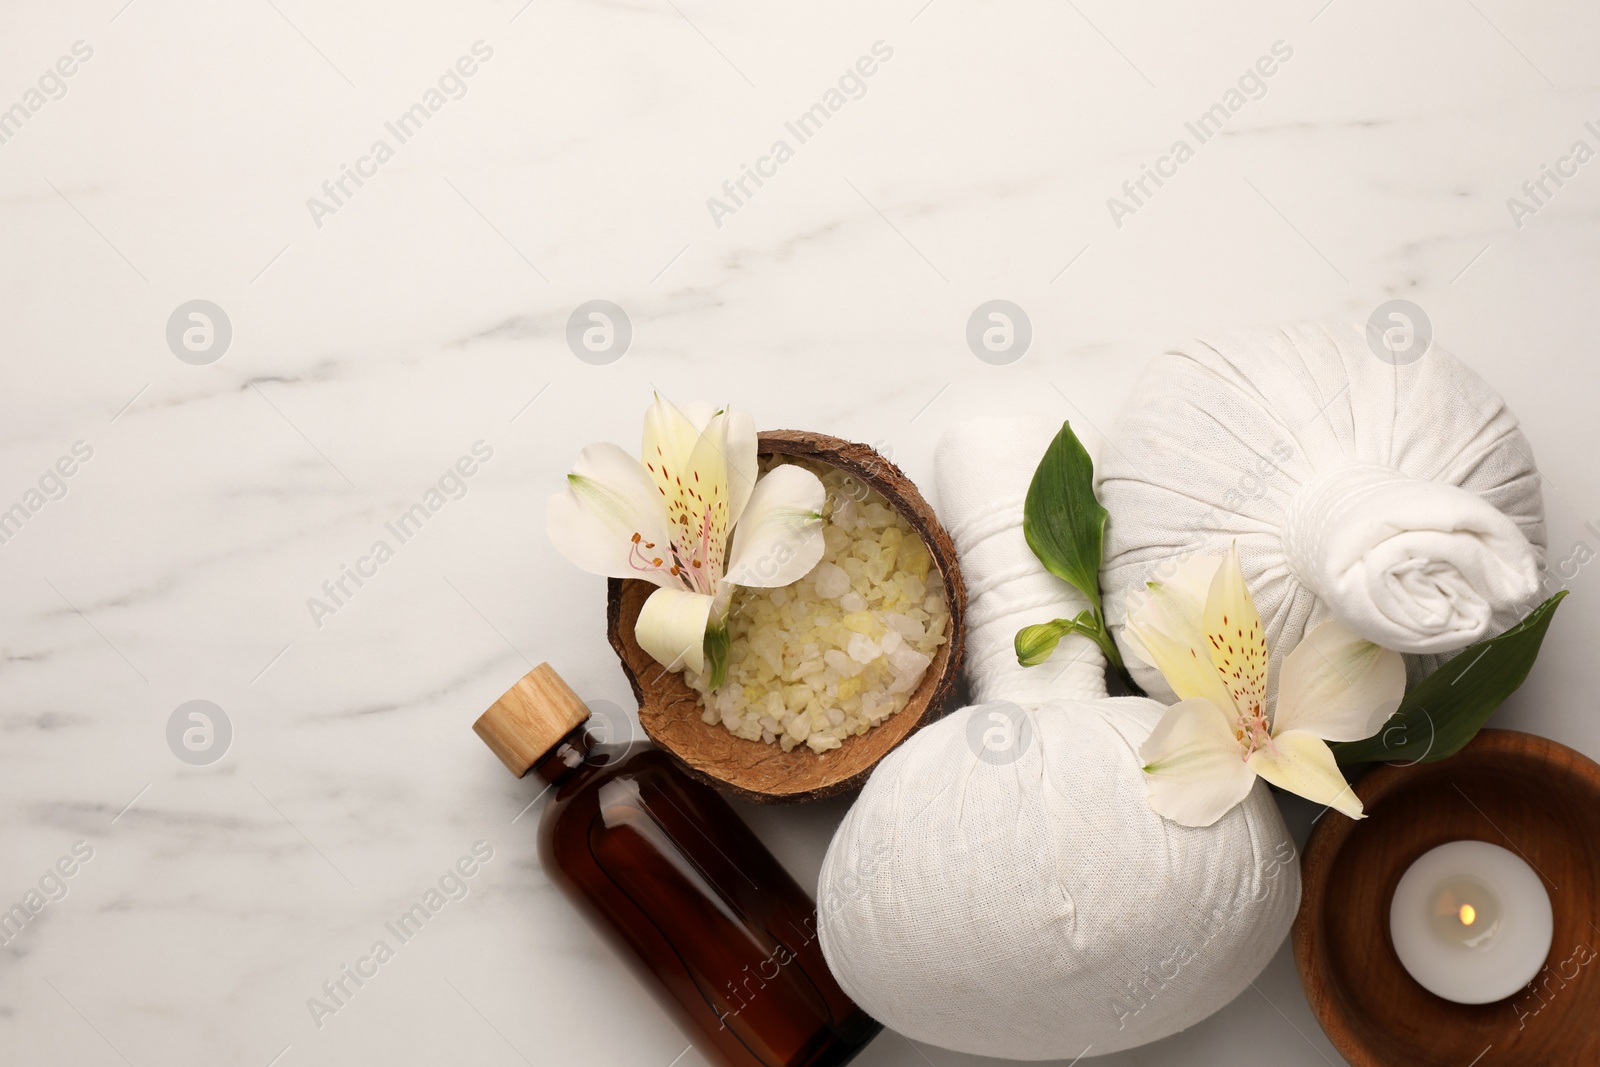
<point>378,335</point>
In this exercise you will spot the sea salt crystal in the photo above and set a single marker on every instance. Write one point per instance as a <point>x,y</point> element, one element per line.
<point>806,669</point>
<point>903,683</point>
<point>908,662</point>
<point>904,625</point>
<point>831,580</point>
<point>862,648</point>
<point>841,662</point>
<point>852,601</point>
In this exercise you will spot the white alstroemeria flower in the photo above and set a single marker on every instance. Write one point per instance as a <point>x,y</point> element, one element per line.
<point>1201,631</point>
<point>669,520</point>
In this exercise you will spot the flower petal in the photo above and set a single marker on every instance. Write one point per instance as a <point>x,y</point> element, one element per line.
<point>1338,686</point>
<point>741,454</point>
<point>1165,628</point>
<point>1237,643</point>
<point>685,453</point>
<point>672,628</point>
<point>1194,771</point>
<point>704,495</point>
<point>669,432</point>
<point>1135,644</point>
<point>1187,669</point>
<point>608,499</point>
<point>1303,763</point>
<point>699,413</point>
<point>779,539</point>
<point>669,440</point>
<point>1175,604</point>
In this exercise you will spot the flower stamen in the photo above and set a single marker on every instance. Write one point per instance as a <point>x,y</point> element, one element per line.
<point>640,561</point>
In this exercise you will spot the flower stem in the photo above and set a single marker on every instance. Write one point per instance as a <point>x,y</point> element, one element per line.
<point>1034,644</point>
<point>1102,637</point>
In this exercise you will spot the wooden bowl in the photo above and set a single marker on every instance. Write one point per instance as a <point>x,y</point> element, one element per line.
<point>670,711</point>
<point>1524,793</point>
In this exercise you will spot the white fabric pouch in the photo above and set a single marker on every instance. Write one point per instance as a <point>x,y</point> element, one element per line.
<point>1398,498</point>
<point>1001,887</point>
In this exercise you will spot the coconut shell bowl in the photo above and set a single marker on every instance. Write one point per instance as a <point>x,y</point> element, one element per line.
<point>1527,794</point>
<point>670,711</point>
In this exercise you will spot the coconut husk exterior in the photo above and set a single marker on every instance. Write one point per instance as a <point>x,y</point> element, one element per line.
<point>670,711</point>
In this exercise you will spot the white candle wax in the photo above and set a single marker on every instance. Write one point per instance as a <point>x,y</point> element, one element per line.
<point>1471,922</point>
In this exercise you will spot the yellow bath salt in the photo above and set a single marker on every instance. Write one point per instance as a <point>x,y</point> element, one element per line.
<point>842,649</point>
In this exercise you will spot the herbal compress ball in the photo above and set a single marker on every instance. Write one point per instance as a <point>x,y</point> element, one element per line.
<point>1002,887</point>
<point>1390,490</point>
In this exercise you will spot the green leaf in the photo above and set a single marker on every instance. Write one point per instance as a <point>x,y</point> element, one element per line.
<point>1448,708</point>
<point>1063,522</point>
<point>717,646</point>
<point>1035,643</point>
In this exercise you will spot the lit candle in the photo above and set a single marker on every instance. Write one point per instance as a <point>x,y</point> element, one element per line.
<point>1471,922</point>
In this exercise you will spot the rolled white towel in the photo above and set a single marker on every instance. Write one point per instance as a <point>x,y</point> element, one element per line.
<point>1412,565</point>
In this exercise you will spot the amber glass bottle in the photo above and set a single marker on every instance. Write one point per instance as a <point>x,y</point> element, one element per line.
<point>680,886</point>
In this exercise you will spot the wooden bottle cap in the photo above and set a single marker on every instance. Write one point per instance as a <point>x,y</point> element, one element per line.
<point>530,719</point>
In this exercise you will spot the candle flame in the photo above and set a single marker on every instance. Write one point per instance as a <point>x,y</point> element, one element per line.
<point>1468,914</point>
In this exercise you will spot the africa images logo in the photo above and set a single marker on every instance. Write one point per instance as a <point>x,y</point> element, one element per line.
<point>451,85</point>
<point>1251,85</point>
<point>852,85</point>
